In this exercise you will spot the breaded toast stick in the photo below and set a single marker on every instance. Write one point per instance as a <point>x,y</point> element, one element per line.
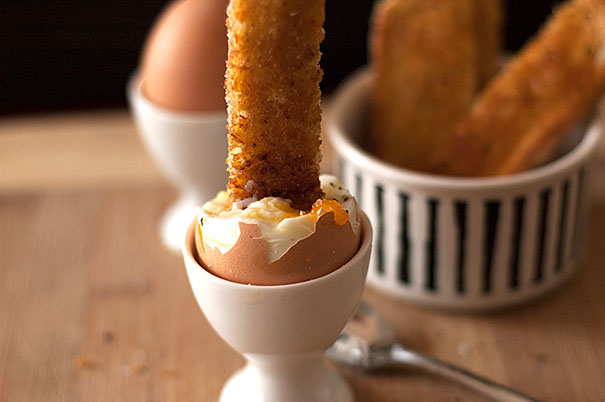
<point>428,64</point>
<point>272,92</point>
<point>489,20</point>
<point>518,120</point>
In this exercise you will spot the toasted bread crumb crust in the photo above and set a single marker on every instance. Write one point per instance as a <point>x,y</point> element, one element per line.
<point>520,117</point>
<point>273,99</point>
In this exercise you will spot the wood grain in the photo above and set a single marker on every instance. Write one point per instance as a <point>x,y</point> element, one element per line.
<point>94,308</point>
<point>83,149</point>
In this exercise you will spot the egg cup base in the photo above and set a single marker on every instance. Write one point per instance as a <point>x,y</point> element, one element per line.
<point>308,379</point>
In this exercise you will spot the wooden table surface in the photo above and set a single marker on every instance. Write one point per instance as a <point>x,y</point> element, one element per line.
<point>94,308</point>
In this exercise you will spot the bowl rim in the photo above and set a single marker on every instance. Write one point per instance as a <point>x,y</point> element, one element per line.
<point>137,99</point>
<point>365,246</point>
<point>357,84</point>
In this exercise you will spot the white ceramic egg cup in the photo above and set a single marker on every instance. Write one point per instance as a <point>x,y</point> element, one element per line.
<point>190,149</point>
<point>282,330</point>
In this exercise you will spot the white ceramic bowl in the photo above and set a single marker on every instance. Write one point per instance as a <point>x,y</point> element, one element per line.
<point>190,148</point>
<point>282,330</point>
<point>462,243</point>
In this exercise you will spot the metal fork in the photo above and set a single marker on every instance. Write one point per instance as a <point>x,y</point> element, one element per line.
<point>368,343</point>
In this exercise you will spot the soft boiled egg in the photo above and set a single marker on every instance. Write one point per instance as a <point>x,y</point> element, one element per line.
<point>328,247</point>
<point>183,60</point>
<point>267,242</point>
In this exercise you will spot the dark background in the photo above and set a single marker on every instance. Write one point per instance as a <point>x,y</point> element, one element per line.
<point>70,55</point>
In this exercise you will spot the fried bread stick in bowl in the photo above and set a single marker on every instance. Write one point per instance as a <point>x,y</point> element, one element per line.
<point>489,23</point>
<point>430,58</point>
<point>523,114</point>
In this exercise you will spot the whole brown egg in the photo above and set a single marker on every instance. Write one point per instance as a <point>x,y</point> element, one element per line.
<point>183,60</point>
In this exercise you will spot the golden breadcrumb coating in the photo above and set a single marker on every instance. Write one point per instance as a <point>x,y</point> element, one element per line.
<point>273,99</point>
<point>489,23</point>
<point>521,116</point>
<point>429,58</point>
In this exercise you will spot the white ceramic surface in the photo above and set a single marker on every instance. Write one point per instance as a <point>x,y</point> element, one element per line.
<point>282,330</point>
<point>462,243</point>
<point>190,148</point>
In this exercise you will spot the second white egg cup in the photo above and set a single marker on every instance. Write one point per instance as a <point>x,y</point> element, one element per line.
<point>190,149</point>
<point>282,330</point>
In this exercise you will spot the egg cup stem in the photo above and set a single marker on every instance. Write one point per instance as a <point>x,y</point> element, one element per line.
<point>300,377</point>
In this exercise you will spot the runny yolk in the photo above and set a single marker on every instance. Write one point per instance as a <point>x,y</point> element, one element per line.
<point>340,215</point>
<point>199,229</point>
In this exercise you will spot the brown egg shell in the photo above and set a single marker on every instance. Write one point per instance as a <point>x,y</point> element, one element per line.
<point>329,247</point>
<point>183,59</point>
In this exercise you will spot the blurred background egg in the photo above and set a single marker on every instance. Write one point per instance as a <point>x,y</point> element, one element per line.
<point>183,60</point>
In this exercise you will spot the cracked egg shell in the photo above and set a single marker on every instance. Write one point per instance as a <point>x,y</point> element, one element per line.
<point>329,247</point>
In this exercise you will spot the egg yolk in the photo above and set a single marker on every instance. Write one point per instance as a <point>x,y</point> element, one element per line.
<point>340,215</point>
<point>199,229</point>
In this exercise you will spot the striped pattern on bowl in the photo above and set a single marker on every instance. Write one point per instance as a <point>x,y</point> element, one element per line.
<point>463,243</point>
<point>494,249</point>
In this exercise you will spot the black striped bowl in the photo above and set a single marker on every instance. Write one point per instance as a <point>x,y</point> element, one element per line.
<point>462,243</point>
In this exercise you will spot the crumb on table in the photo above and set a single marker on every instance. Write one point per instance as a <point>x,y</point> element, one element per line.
<point>83,362</point>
